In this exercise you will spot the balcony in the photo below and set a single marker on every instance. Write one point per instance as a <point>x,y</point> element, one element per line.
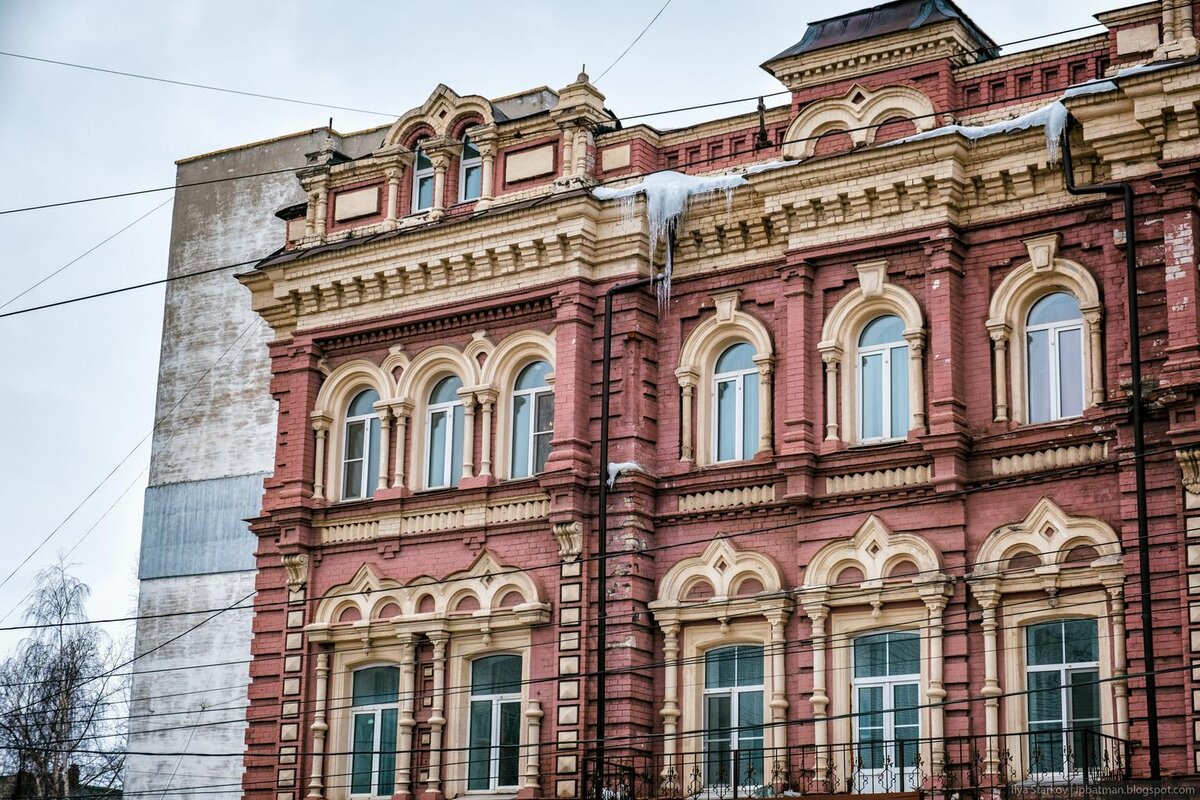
<point>1064,760</point>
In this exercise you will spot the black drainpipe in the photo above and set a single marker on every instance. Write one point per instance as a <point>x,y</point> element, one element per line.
<point>602,517</point>
<point>1139,434</point>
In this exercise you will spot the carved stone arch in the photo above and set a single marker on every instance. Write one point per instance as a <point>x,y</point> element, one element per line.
<point>499,376</point>
<point>874,296</point>
<point>442,108</point>
<point>491,580</point>
<point>1044,273</point>
<point>396,359</point>
<point>724,567</point>
<point>479,350</point>
<point>1050,533</point>
<point>855,112</point>
<point>697,362</point>
<point>875,549</point>
<point>359,592</point>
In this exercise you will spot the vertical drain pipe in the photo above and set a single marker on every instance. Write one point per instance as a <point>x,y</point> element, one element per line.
<point>1139,435</point>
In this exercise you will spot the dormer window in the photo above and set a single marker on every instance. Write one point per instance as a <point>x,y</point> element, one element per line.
<point>470,172</point>
<point>422,182</point>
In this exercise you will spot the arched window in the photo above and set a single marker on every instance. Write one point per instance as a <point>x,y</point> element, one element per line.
<point>493,761</point>
<point>886,704</point>
<point>533,420</point>
<point>1054,354</point>
<point>360,460</point>
<point>374,706</point>
<point>735,398</point>
<point>470,172</point>
<point>1063,678</point>
<point>422,181</point>
<point>733,716</point>
<point>883,380</point>
<point>444,442</point>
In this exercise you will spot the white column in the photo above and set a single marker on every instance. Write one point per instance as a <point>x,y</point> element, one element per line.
<point>568,155</point>
<point>1000,366</point>
<point>916,378</point>
<point>321,427</point>
<point>403,411</point>
<point>670,707</point>
<point>385,442</point>
<point>440,164</point>
<point>935,695</point>
<point>468,456</point>
<point>820,697</point>
<point>989,600</point>
<point>408,649</point>
<point>765,423</point>
<point>487,155</point>
<point>437,715</point>
<point>322,208</point>
<point>310,215</point>
<point>779,703</point>
<point>1120,667</point>
<point>831,359</point>
<point>393,197</point>
<point>320,728</point>
<point>488,402</point>
<point>533,722</point>
<point>687,385</point>
<point>1096,363</point>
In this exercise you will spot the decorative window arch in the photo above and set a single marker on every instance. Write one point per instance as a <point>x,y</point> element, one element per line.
<point>329,421</point>
<point>874,297</point>
<point>1042,275</point>
<point>418,382</point>
<point>742,602</point>
<point>1044,553</point>
<point>499,377</point>
<point>862,586</point>
<point>696,374</point>
<point>857,113</point>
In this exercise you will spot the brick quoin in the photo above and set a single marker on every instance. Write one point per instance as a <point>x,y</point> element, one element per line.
<point>944,221</point>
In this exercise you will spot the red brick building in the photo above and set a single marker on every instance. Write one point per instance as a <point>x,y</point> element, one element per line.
<point>873,522</point>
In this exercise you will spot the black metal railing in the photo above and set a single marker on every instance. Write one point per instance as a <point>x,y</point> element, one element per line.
<point>965,766</point>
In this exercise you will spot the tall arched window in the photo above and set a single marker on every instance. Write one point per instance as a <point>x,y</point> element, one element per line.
<point>360,460</point>
<point>883,380</point>
<point>733,716</point>
<point>422,181</point>
<point>493,761</point>
<point>735,398</point>
<point>444,443</point>
<point>533,420</point>
<point>887,724</point>
<point>470,172</point>
<point>1054,350</point>
<point>374,706</point>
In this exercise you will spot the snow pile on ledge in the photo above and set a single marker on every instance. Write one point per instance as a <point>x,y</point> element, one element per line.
<point>667,196</point>
<point>615,469</point>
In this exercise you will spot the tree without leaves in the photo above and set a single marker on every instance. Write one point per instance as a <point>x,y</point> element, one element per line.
<point>56,699</point>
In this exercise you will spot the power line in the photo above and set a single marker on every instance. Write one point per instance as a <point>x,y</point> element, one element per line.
<point>634,42</point>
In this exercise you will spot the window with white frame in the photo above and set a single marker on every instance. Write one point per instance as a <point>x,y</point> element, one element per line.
<point>423,179</point>
<point>493,759</point>
<point>444,434</point>
<point>887,725</point>
<point>360,459</point>
<point>470,172</point>
<point>1054,353</point>
<point>533,420</point>
<point>1062,672</point>
<point>883,380</point>
<point>733,716</point>
<point>373,720</point>
<point>735,398</point>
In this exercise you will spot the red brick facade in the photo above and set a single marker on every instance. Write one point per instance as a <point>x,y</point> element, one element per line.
<point>817,539</point>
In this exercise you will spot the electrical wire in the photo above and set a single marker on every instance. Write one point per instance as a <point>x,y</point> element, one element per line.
<point>649,25</point>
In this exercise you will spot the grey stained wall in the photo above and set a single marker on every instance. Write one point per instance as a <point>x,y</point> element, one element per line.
<point>214,442</point>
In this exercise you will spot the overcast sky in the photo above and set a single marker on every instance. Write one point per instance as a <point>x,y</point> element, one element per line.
<point>78,385</point>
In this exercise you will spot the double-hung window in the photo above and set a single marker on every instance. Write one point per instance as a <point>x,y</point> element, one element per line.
<point>373,718</point>
<point>1062,676</point>
<point>887,724</point>
<point>470,172</point>
<point>733,716</point>
<point>423,179</point>
<point>735,399</point>
<point>444,437</point>
<point>883,380</point>
<point>360,459</point>
<point>1054,351</point>
<point>493,759</point>
<point>533,420</point>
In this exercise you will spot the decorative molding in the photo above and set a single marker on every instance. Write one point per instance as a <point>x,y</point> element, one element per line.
<point>1189,465</point>
<point>726,498</point>
<point>878,479</point>
<point>358,531</point>
<point>434,520</point>
<point>296,565</point>
<point>570,540</point>
<point>1051,458</point>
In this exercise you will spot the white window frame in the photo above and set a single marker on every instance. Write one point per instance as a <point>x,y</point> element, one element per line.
<point>877,777</point>
<point>734,694</point>
<point>738,378</point>
<point>497,700</point>
<point>533,396</point>
<point>1066,723</point>
<point>376,710</point>
<point>364,471</point>
<point>448,478</point>
<point>1054,369</point>
<point>418,176</point>
<point>467,163</point>
<point>885,350</point>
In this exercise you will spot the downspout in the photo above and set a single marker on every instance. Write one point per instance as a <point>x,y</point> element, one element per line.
<point>602,516</point>
<point>1125,189</point>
